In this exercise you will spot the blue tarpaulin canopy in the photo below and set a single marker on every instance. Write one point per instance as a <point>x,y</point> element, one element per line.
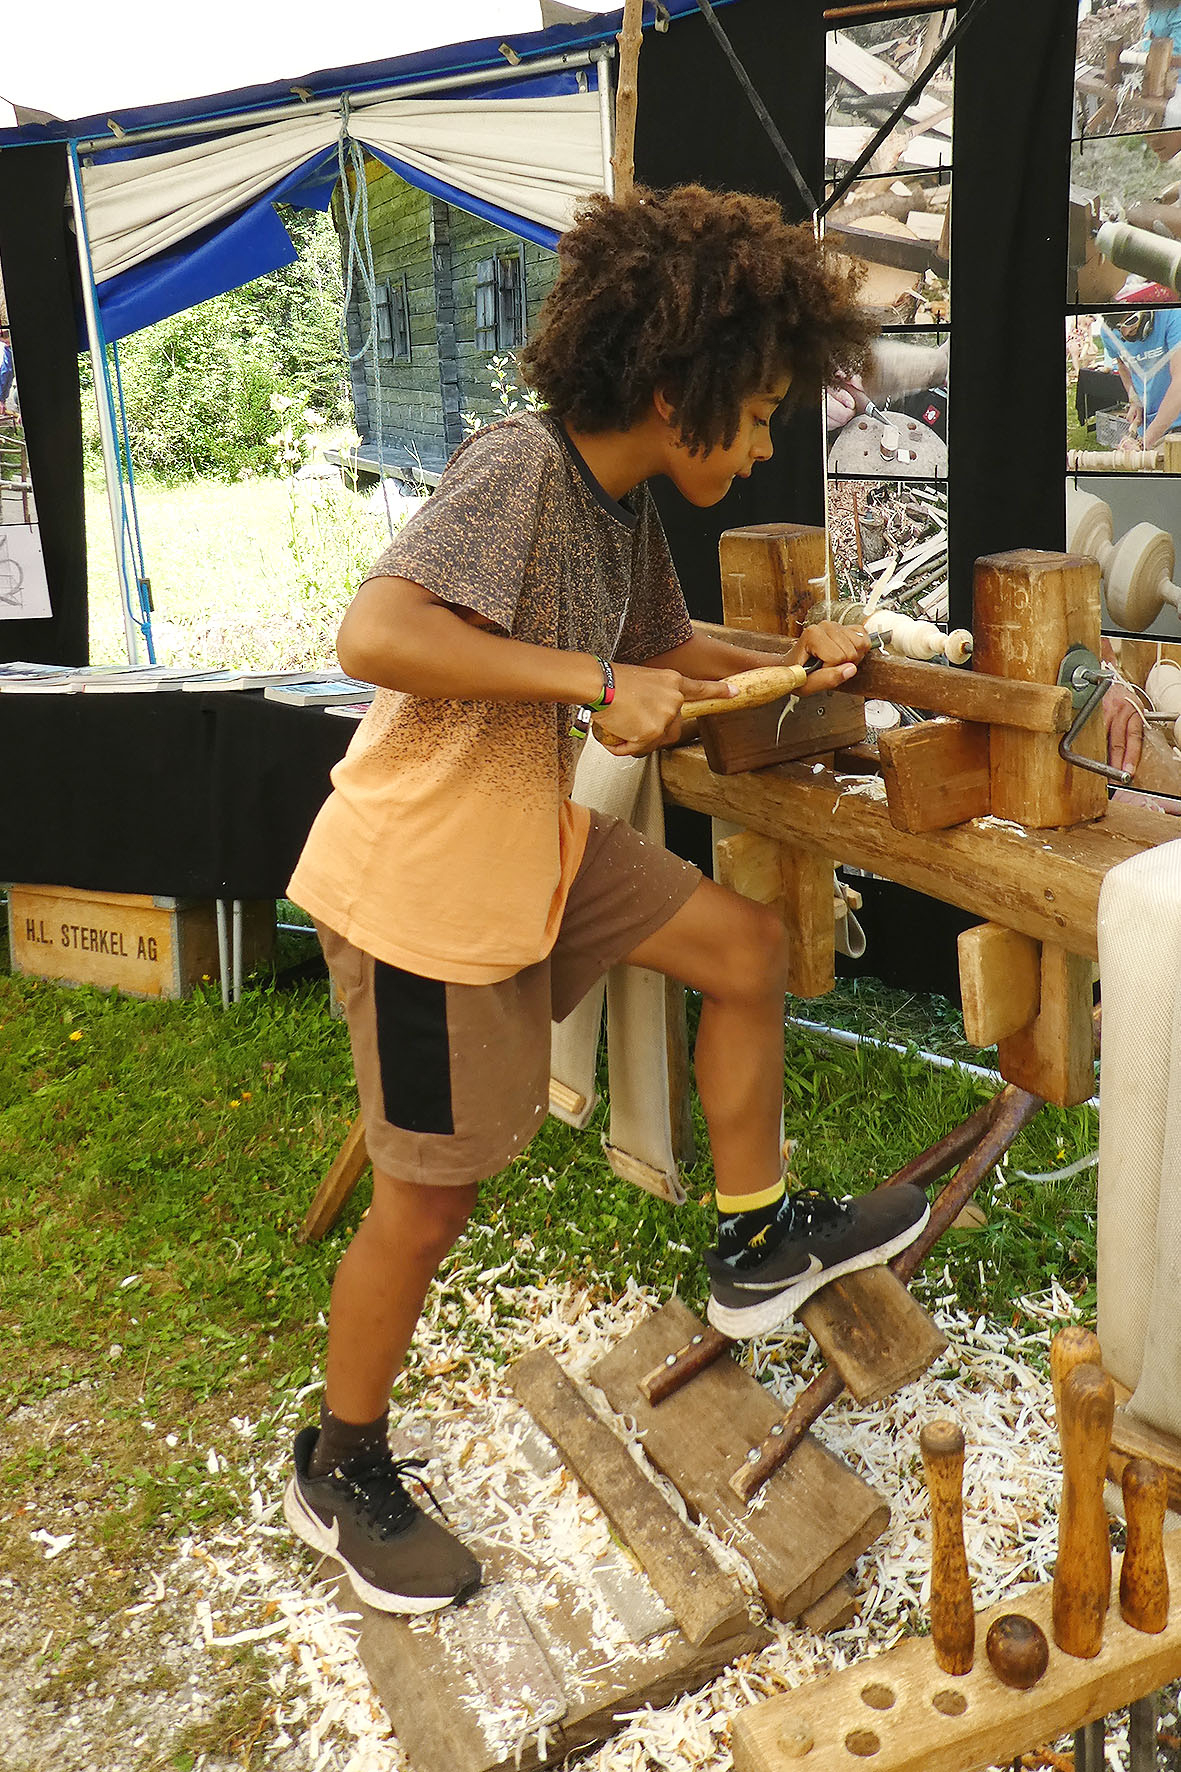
<point>180,198</point>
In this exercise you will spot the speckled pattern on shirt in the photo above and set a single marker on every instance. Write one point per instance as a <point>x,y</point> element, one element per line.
<point>448,843</point>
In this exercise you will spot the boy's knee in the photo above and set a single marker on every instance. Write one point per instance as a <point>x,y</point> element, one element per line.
<point>417,1219</point>
<point>757,961</point>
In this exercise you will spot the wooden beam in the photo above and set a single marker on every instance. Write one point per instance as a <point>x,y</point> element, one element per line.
<point>1133,1438</point>
<point>630,40</point>
<point>772,574</point>
<point>886,249</point>
<point>1044,883</point>
<point>939,689</point>
<point>799,884</point>
<point>333,1192</point>
<point>1054,1055</point>
<point>753,738</point>
<point>1000,982</point>
<point>936,774</point>
<point>1029,609</point>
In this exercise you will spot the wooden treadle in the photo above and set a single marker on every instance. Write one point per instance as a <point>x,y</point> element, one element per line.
<point>816,1516</point>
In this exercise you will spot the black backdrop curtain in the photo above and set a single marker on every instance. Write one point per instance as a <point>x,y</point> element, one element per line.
<point>40,269</point>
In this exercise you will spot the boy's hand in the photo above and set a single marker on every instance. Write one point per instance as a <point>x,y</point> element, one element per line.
<point>840,650</point>
<point>646,711</point>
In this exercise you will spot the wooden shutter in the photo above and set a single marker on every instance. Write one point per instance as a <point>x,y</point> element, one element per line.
<point>486,304</point>
<point>509,307</point>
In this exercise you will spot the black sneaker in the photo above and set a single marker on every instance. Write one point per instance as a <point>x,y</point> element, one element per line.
<point>397,1558</point>
<point>755,1289</point>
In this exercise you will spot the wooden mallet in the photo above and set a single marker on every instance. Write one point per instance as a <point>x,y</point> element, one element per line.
<point>953,1618</point>
<point>1082,1574</point>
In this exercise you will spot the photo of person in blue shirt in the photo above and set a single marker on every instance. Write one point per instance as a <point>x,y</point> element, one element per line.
<point>1146,346</point>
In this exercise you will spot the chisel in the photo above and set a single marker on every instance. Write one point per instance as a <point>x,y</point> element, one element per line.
<point>1144,1576</point>
<point>953,1619</point>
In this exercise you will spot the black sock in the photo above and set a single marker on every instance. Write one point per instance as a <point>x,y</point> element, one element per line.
<point>342,1441</point>
<point>746,1227</point>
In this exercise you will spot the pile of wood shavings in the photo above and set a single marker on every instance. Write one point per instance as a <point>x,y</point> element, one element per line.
<point>991,1379</point>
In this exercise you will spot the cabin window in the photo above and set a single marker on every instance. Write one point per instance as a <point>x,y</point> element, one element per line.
<point>500,302</point>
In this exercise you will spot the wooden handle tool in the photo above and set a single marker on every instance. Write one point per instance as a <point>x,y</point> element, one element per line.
<point>953,1618</point>
<point>1144,1577</point>
<point>1082,1574</point>
<point>1071,1347</point>
<point>753,689</point>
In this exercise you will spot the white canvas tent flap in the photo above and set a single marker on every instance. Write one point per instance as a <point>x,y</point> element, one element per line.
<point>530,156</point>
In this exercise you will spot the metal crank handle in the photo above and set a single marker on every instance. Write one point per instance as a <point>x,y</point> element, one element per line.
<point>1088,682</point>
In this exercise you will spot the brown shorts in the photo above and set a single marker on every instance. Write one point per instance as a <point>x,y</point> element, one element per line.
<point>453,1079</point>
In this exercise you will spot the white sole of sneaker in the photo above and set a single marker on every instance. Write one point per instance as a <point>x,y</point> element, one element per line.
<point>761,1317</point>
<point>308,1526</point>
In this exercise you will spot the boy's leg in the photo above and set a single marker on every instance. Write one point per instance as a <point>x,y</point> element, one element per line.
<point>380,1285</point>
<point>347,1498</point>
<point>774,1249</point>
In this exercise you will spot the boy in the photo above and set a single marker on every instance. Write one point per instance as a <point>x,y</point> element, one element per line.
<point>463,900</point>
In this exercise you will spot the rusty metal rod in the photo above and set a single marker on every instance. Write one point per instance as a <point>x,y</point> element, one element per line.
<point>677,1369</point>
<point>1013,1109</point>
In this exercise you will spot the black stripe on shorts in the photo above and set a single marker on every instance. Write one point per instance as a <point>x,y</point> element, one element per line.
<point>413,1049</point>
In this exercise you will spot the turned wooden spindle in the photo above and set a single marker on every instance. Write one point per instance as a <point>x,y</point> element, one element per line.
<point>1144,1577</point>
<point>1071,1347</point>
<point>953,1618</point>
<point>1082,1574</point>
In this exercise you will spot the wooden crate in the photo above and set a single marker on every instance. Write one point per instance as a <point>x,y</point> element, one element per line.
<point>129,941</point>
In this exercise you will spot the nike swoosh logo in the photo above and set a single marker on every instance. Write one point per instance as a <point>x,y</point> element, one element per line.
<point>333,1538</point>
<point>814,1267</point>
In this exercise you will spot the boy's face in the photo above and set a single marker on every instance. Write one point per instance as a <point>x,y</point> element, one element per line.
<point>706,478</point>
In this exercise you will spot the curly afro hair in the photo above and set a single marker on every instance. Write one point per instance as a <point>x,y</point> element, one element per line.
<point>707,296</point>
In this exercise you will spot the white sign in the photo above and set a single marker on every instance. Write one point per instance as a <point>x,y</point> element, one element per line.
<point>24,590</point>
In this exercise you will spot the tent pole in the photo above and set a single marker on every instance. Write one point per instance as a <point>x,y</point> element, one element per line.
<point>102,395</point>
<point>602,59</point>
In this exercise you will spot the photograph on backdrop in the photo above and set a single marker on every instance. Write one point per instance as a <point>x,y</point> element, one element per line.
<point>894,220</point>
<point>1126,70</point>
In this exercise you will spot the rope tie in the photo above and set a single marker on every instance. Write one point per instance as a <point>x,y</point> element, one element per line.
<point>350,157</point>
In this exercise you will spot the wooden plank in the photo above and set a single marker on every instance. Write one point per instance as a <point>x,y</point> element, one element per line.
<point>348,1166</point>
<point>833,1610</point>
<point>1133,1438</point>
<point>1054,1055</point>
<point>769,575</point>
<point>815,1516</point>
<point>900,1713</point>
<point>1029,609</point>
<point>707,1604</point>
<point>1000,982</point>
<point>799,884</point>
<point>754,738</point>
<point>454,1711</point>
<point>940,689</point>
<point>936,774</point>
<point>876,1335</point>
<point>1042,883</point>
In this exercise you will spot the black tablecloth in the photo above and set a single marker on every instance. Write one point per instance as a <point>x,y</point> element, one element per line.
<point>185,795</point>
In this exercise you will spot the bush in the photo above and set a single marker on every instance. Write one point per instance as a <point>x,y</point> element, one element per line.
<point>201,388</point>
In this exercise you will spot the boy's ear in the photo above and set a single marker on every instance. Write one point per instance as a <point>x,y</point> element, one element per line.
<point>665,410</point>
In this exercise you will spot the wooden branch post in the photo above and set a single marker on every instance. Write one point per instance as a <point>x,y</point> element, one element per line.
<point>798,882</point>
<point>1030,608</point>
<point>623,160</point>
<point>772,574</point>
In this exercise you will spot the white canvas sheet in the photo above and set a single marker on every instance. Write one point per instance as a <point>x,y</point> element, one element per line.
<point>534,157</point>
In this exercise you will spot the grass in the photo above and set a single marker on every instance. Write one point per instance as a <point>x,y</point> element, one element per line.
<point>160,1156</point>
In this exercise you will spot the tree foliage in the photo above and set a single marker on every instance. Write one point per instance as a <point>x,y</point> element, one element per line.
<point>200,388</point>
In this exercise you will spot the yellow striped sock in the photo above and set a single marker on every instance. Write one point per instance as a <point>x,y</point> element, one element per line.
<point>768,1196</point>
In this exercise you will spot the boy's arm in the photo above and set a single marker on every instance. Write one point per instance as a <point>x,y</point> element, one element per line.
<point>840,648</point>
<point>400,636</point>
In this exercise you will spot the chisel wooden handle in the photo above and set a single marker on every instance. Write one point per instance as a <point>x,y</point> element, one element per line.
<point>751,689</point>
<point>953,1619</point>
<point>1082,1574</point>
<point>1144,1577</point>
<point>1071,1347</point>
